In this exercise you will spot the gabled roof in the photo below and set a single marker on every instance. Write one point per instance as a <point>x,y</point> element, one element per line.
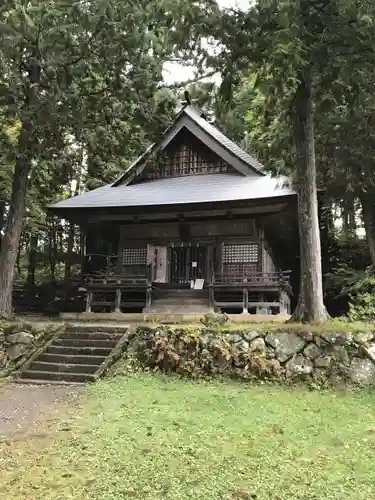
<point>248,180</point>
<point>192,119</point>
<point>231,146</point>
<point>182,190</point>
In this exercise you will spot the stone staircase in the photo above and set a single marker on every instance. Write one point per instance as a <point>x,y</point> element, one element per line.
<point>184,301</point>
<point>79,354</point>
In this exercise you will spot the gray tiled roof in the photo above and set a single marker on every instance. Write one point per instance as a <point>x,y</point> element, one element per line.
<point>216,134</point>
<point>181,190</point>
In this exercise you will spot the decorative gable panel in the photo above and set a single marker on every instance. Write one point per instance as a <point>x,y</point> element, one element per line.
<point>184,155</point>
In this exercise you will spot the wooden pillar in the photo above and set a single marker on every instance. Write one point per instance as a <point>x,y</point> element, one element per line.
<point>148,297</point>
<point>149,286</point>
<point>284,303</point>
<point>210,276</point>
<point>88,300</point>
<point>188,264</point>
<point>118,299</point>
<point>82,252</point>
<point>245,293</point>
<point>211,297</point>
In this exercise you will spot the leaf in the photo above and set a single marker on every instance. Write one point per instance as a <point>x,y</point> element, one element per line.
<point>30,23</point>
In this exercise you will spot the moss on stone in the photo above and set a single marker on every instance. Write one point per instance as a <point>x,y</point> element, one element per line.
<point>284,354</point>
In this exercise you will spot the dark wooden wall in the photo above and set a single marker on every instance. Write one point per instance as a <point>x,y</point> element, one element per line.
<point>223,235</point>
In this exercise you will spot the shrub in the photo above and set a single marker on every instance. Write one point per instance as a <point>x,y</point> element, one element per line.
<point>362,307</point>
<point>215,320</point>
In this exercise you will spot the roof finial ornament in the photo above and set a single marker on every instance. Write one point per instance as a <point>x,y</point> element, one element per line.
<point>187,97</point>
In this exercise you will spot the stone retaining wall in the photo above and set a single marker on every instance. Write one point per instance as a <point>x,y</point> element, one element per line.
<point>336,358</point>
<point>18,342</point>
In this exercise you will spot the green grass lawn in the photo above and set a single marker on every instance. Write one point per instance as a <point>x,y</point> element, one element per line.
<point>150,437</point>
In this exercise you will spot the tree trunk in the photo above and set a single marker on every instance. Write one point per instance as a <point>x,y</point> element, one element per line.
<point>348,217</point>
<point>326,224</point>
<point>32,260</point>
<point>310,307</point>
<point>18,259</point>
<point>2,218</point>
<point>368,211</point>
<point>13,227</point>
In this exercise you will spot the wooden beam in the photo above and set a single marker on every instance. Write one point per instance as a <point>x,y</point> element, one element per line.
<point>229,304</point>
<point>188,214</point>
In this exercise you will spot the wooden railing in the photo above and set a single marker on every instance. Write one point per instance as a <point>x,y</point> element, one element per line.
<point>253,279</point>
<point>98,288</point>
<point>114,281</point>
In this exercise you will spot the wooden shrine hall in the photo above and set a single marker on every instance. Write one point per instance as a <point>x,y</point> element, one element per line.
<point>196,224</point>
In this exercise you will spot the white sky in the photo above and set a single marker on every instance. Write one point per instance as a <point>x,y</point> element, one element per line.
<point>175,72</point>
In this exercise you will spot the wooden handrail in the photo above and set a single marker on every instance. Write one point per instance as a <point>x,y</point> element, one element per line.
<point>253,278</point>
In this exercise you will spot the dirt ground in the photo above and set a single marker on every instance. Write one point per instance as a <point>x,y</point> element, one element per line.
<point>25,408</point>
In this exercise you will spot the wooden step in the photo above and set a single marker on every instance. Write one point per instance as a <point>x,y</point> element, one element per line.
<point>181,293</point>
<point>177,310</point>
<point>178,302</point>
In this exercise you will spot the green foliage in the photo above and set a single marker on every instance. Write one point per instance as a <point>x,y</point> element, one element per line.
<point>271,50</point>
<point>360,288</point>
<point>215,319</point>
<point>94,69</point>
<point>362,306</point>
<point>345,281</point>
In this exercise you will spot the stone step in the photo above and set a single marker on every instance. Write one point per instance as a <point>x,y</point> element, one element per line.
<point>109,344</point>
<point>75,356</point>
<point>78,351</point>
<point>57,376</point>
<point>81,335</point>
<point>30,381</point>
<point>42,366</point>
<point>87,328</point>
<point>71,359</point>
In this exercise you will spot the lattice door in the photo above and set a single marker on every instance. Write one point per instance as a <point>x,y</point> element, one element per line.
<point>188,263</point>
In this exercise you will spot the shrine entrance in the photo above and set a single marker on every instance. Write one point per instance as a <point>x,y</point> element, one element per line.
<point>187,263</point>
